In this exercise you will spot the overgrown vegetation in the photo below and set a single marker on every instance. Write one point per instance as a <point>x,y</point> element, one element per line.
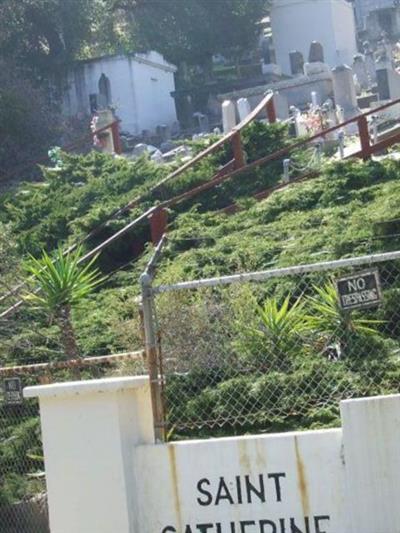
<point>350,209</point>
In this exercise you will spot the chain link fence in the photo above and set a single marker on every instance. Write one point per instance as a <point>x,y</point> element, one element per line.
<point>23,500</point>
<point>275,351</point>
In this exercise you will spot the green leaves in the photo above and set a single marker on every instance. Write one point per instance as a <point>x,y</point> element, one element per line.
<point>313,322</point>
<point>327,317</point>
<point>62,281</point>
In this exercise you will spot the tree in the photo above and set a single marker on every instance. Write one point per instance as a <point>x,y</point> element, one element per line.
<point>57,285</point>
<point>28,123</point>
<point>193,30</point>
<point>46,34</point>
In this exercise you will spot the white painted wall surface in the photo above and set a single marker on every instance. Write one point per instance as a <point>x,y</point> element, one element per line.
<point>372,444</point>
<point>296,23</point>
<point>312,486</point>
<point>89,430</point>
<point>141,87</point>
<point>105,474</point>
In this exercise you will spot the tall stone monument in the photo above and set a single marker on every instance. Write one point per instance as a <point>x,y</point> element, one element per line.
<point>345,93</point>
<point>360,70</point>
<point>296,63</point>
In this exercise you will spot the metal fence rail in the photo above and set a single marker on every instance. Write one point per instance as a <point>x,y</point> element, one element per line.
<point>273,350</point>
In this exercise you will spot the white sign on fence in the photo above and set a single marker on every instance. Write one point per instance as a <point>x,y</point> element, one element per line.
<point>105,473</point>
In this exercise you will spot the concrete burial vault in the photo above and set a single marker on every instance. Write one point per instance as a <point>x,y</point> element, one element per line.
<point>105,473</point>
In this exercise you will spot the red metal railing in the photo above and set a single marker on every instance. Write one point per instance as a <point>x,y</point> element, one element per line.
<point>157,214</point>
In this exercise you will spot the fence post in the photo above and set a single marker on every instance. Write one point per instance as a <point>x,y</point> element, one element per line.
<point>271,113</point>
<point>374,128</point>
<point>238,150</point>
<point>286,170</point>
<point>341,144</point>
<point>116,137</point>
<point>152,356</point>
<point>364,137</point>
<point>158,224</point>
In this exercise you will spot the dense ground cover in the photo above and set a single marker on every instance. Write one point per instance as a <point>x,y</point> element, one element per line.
<point>352,208</point>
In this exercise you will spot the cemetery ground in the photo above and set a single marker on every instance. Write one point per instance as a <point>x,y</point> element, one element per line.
<point>352,208</point>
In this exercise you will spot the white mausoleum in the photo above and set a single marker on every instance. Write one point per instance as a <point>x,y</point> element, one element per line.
<point>138,86</point>
<point>295,23</point>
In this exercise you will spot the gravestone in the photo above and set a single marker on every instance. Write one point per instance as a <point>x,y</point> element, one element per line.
<point>314,100</point>
<point>201,122</point>
<point>266,51</point>
<point>370,63</point>
<point>388,84</point>
<point>163,132</point>
<point>243,107</point>
<point>228,116</point>
<point>300,125</point>
<point>344,90</point>
<point>316,53</point>
<point>296,63</point>
<point>360,70</point>
<point>281,105</point>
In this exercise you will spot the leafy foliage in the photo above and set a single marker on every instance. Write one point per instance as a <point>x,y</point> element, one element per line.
<point>194,30</point>
<point>57,285</point>
<point>61,281</point>
<point>335,215</point>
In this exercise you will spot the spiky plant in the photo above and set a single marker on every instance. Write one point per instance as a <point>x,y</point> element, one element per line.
<point>328,321</point>
<point>281,327</point>
<point>56,285</point>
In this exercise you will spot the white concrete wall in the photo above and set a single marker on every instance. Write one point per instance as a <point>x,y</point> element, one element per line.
<point>141,87</point>
<point>204,482</point>
<point>89,431</point>
<point>295,24</point>
<point>105,474</point>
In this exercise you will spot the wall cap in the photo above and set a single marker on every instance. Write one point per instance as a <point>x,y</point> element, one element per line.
<point>371,399</point>
<point>75,388</point>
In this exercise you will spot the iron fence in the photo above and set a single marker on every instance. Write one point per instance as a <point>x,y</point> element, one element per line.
<point>275,350</point>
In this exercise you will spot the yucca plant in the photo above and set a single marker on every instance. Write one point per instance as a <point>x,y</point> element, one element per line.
<point>56,285</point>
<point>330,323</point>
<point>281,327</point>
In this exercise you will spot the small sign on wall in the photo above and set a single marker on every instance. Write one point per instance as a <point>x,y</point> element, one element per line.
<point>12,391</point>
<point>359,290</point>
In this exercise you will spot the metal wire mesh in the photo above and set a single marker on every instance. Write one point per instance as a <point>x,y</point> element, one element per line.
<point>276,354</point>
<point>23,499</point>
<point>23,505</point>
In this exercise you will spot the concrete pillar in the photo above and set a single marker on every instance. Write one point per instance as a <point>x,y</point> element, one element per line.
<point>244,108</point>
<point>228,116</point>
<point>371,443</point>
<point>89,430</point>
